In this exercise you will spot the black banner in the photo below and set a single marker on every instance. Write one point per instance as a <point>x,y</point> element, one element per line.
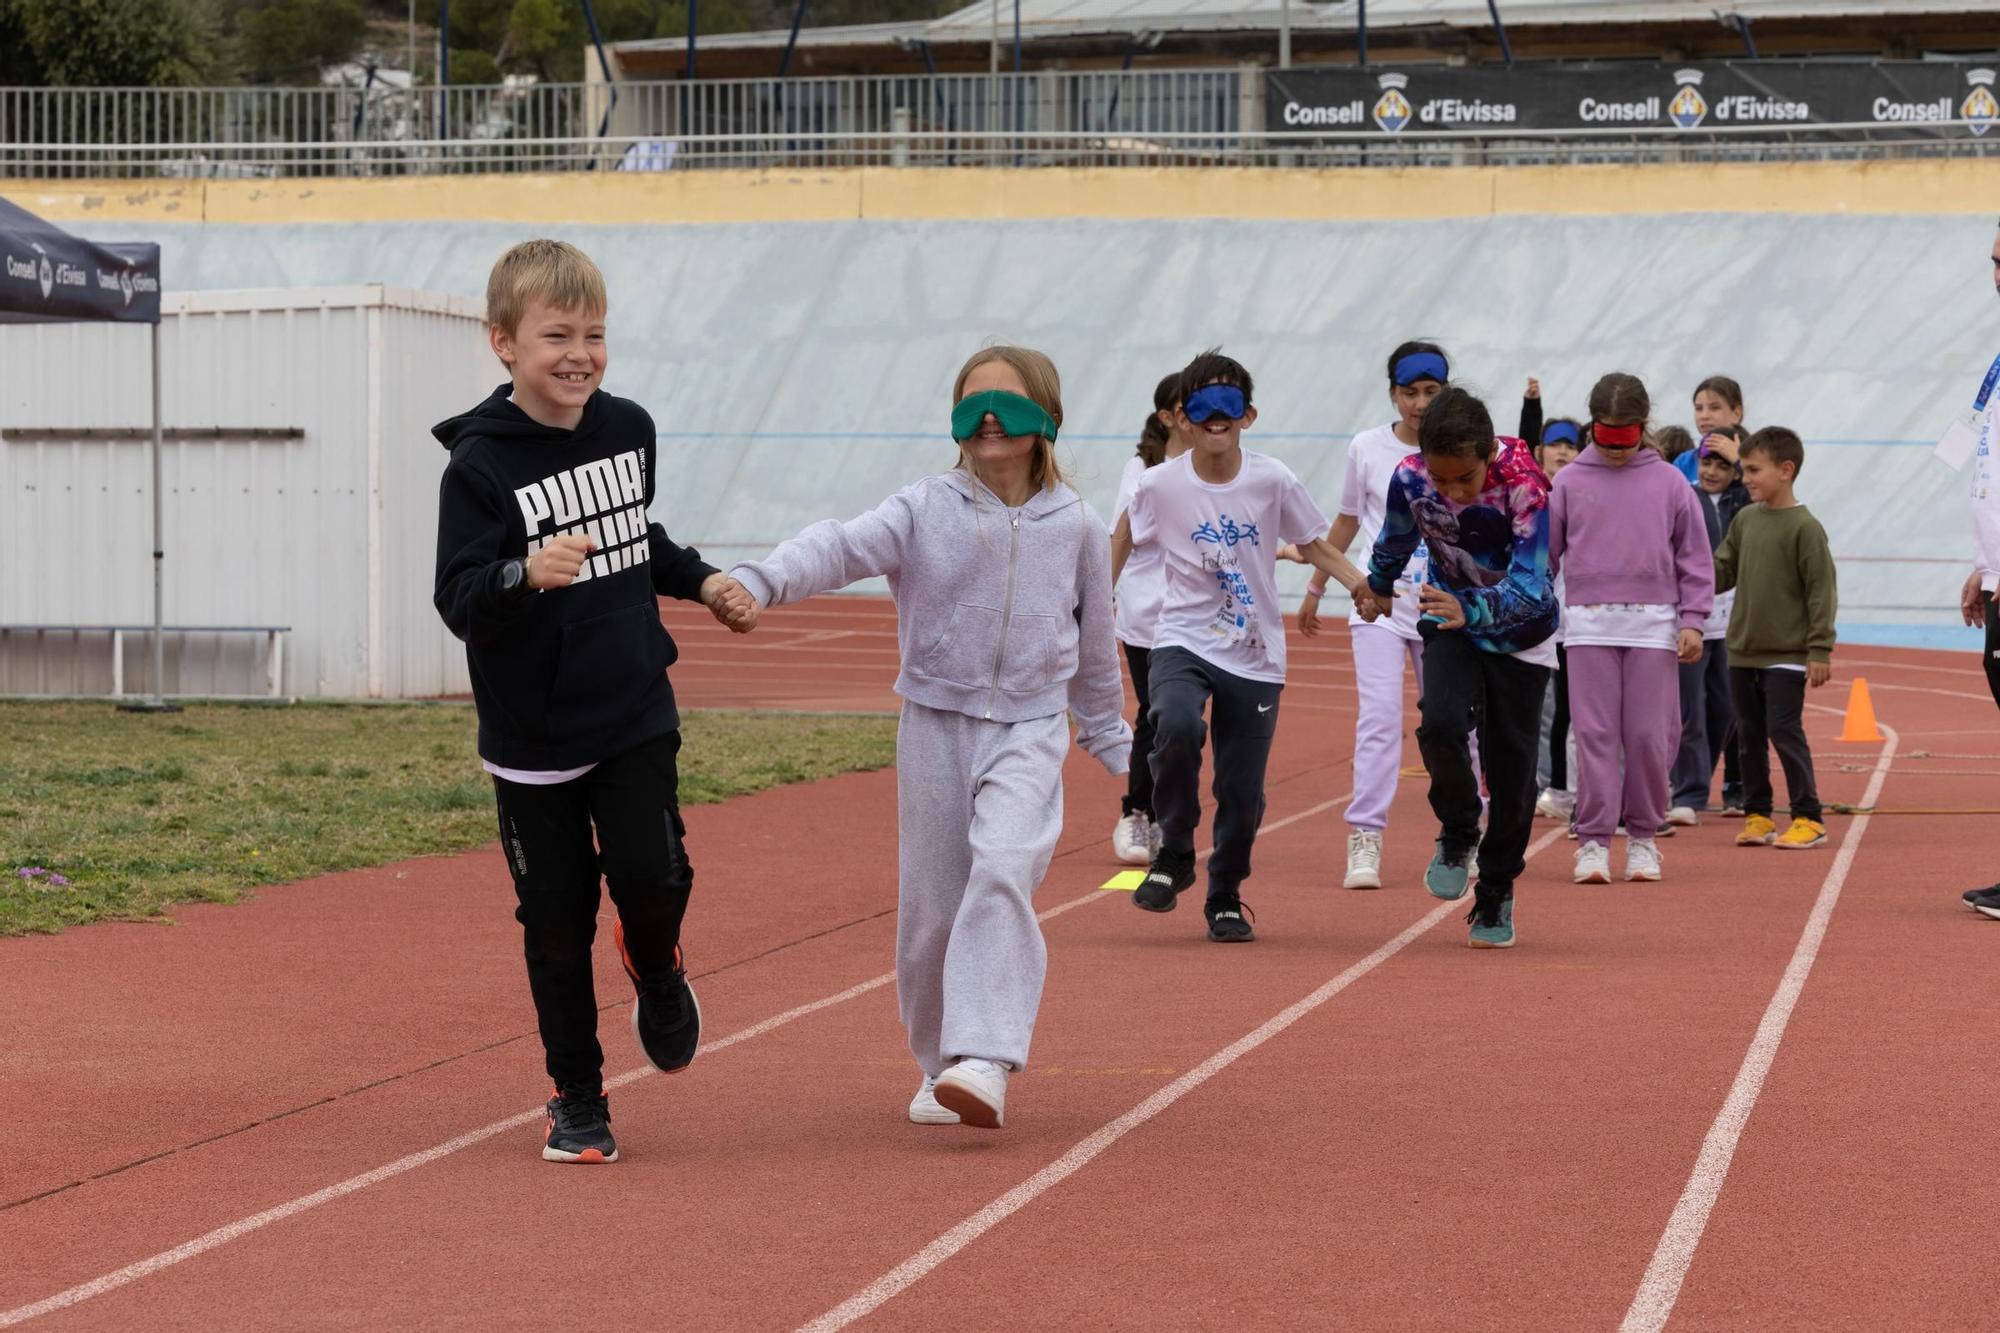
<point>46,274</point>
<point>1778,94</point>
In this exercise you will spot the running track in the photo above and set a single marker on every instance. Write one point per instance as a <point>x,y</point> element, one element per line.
<point>1749,1097</point>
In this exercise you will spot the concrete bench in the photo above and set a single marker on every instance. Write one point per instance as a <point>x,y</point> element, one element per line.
<point>274,645</point>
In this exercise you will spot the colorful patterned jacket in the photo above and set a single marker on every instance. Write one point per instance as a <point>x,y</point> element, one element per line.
<point>1492,554</point>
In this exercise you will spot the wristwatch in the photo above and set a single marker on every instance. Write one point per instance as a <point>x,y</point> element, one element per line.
<point>514,578</point>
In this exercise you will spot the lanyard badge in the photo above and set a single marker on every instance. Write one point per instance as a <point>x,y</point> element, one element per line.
<point>1961,438</point>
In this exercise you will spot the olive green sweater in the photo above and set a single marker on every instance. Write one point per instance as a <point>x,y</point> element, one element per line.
<point>1781,568</point>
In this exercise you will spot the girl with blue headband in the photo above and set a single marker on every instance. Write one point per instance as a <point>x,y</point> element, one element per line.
<point>1001,576</point>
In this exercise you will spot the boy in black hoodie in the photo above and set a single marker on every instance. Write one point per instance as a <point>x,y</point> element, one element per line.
<point>548,567</point>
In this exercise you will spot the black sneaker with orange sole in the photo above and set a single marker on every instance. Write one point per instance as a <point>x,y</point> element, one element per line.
<point>579,1130</point>
<point>666,1020</point>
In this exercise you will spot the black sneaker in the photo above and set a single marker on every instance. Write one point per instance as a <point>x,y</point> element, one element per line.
<point>1969,896</point>
<point>1987,904</point>
<point>1170,875</point>
<point>666,1021</point>
<point>1229,920</point>
<point>579,1129</point>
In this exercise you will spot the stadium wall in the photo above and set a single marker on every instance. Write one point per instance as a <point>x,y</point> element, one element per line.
<point>795,334</point>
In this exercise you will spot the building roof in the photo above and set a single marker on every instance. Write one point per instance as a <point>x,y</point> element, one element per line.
<point>1091,18</point>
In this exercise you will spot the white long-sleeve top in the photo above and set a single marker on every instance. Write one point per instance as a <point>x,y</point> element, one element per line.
<point>1986,502</point>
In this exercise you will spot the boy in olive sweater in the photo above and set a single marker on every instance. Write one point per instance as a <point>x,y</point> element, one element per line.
<point>1780,635</point>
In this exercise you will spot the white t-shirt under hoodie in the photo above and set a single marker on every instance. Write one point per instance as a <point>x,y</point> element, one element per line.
<point>1218,546</point>
<point>1372,458</point>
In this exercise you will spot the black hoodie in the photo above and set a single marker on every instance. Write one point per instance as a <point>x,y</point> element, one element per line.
<point>575,675</point>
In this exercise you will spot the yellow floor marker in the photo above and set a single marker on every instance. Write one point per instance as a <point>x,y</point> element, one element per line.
<point>1126,880</point>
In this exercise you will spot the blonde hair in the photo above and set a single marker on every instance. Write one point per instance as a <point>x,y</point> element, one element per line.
<point>553,272</point>
<point>1044,386</point>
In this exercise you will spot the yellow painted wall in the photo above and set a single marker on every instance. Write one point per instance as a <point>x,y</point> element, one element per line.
<point>1966,185</point>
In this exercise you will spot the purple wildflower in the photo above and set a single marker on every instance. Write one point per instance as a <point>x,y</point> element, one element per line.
<point>59,881</point>
<point>33,872</point>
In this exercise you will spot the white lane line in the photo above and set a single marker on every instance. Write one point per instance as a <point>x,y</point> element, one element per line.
<point>222,1235</point>
<point>919,1265</point>
<point>1661,1286</point>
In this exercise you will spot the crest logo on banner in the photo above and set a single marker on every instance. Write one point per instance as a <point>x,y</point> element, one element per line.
<point>1979,107</point>
<point>125,284</point>
<point>1689,108</point>
<point>1392,109</point>
<point>48,277</point>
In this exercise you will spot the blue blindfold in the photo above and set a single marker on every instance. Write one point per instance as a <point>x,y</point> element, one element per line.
<point>1562,432</point>
<point>1215,400</point>
<point>1421,366</point>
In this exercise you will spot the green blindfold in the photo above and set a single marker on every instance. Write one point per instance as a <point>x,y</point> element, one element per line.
<point>1016,415</point>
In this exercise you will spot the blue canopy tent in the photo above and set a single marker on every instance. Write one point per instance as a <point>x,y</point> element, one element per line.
<point>50,276</point>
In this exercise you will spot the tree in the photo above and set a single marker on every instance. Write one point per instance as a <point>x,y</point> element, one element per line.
<point>110,43</point>
<point>288,40</point>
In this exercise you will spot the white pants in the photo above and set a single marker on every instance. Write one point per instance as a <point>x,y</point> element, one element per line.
<point>979,809</point>
<point>1379,655</point>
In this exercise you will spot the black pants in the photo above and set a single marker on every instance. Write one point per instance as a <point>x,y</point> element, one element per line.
<point>1245,719</point>
<point>1467,690</point>
<point>546,833</point>
<point>1770,712</point>
<point>1993,646</point>
<point>1559,726</point>
<point>1708,728</point>
<point>1139,776</point>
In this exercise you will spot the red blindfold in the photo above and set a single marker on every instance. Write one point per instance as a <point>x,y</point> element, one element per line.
<point>1617,437</point>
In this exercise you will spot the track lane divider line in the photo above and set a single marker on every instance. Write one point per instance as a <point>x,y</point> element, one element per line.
<point>919,1265</point>
<point>1660,1288</point>
<point>223,1235</point>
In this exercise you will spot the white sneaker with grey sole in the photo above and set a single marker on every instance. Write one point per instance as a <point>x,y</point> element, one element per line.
<point>1364,859</point>
<point>1132,840</point>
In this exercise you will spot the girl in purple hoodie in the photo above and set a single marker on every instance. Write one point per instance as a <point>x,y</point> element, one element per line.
<point>1628,534</point>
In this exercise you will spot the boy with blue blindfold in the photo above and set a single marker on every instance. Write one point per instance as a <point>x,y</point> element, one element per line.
<point>1218,515</point>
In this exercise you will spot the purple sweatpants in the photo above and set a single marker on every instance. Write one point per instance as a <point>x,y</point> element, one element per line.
<point>1625,698</point>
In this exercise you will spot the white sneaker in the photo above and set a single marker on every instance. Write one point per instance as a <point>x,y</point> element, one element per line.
<point>1132,840</point>
<point>976,1090</point>
<point>924,1108</point>
<point>1642,860</point>
<point>1683,816</point>
<point>1364,859</point>
<point>1555,804</point>
<point>1593,863</point>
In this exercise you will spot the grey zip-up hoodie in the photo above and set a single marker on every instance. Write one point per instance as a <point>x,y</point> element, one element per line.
<point>1002,614</point>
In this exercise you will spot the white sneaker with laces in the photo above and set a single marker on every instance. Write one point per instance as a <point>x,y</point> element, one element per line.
<point>924,1108</point>
<point>1364,859</point>
<point>1555,804</point>
<point>1642,861</point>
<point>1593,863</point>
<point>976,1090</point>
<point>1683,816</point>
<point>1132,840</point>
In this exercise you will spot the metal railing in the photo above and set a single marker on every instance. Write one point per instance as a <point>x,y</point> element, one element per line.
<point>914,147</point>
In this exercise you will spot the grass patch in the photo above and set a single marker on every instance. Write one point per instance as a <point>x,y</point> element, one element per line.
<point>119,816</point>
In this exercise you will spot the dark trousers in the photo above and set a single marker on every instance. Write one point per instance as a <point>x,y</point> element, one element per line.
<point>1139,776</point>
<point>1770,714</point>
<point>640,852</point>
<point>1708,726</point>
<point>1244,718</point>
<point>1559,728</point>
<point>1993,646</point>
<point>1499,697</point>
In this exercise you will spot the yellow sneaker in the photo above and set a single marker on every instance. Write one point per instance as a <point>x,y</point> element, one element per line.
<point>1758,831</point>
<point>1803,835</point>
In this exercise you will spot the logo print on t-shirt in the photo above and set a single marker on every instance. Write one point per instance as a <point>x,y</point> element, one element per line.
<point>605,498</point>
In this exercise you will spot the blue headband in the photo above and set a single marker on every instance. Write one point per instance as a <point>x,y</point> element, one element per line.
<point>1421,366</point>
<point>1563,431</point>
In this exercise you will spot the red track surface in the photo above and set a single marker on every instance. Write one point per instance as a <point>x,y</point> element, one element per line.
<point>1456,1139</point>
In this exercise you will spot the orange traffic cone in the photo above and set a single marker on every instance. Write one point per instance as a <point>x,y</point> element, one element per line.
<point>1860,724</point>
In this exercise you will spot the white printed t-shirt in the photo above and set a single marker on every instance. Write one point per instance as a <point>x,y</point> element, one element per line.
<point>1138,593</point>
<point>1219,549</point>
<point>1986,501</point>
<point>1372,458</point>
<point>1622,625</point>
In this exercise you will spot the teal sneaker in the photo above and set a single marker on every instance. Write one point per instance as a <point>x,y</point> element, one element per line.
<point>1492,925</point>
<point>1449,873</point>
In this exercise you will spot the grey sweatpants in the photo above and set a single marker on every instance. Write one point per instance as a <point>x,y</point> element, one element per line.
<point>979,809</point>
